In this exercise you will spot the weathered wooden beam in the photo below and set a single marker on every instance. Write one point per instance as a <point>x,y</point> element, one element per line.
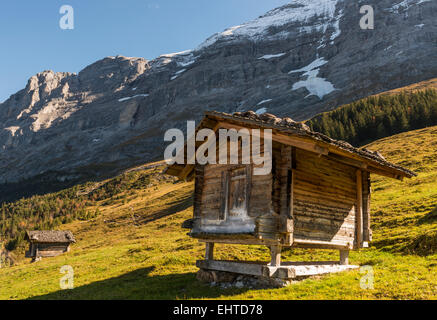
<point>348,161</point>
<point>344,257</point>
<point>254,241</point>
<point>186,171</point>
<point>384,173</point>
<point>372,165</point>
<point>275,253</point>
<point>255,269</point>
<point>198,190</point>
<point>359,210</point>
<point>319,244</point>
<point>367,232</point>
<point>249,172</point>
<point>209,251</point>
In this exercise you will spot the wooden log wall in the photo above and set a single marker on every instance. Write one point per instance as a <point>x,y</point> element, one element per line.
<point>51,250</point>
<point>285,175</point>
<point>324,199</point>
<point>281,192</point>
<point>359,210</point>
<point>367,232</point>
<point>198,187</point>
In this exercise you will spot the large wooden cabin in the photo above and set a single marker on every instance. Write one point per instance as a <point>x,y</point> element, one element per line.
<point>48,243</point>
<point>317,195</point>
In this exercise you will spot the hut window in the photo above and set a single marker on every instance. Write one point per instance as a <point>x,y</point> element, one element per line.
<point>234,193</point>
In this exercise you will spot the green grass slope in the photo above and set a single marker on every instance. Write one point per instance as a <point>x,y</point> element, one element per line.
<point>405,213</point>
<point>135,247</point>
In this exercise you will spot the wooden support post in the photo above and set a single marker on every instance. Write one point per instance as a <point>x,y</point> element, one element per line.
<point>367,232</point>
<point>344,257</point>
<point>209,251</point>
<point>359,210</point>
<point>275,253</point>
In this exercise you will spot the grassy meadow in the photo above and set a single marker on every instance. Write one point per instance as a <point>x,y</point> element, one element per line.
<point>135,247</point>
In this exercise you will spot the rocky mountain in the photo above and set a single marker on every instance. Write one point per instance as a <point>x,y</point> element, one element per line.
<point>297,60</point>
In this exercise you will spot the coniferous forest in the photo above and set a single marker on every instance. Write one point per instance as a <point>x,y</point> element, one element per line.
<point>377,117</point>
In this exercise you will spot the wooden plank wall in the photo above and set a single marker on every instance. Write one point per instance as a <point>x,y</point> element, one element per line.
<point>324,199</point>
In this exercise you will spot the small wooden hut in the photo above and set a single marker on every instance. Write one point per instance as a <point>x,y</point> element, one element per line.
<point>317,195</point>
<point>48,243</point>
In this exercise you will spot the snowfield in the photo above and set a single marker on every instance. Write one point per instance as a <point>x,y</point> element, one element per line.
<point>271,56</point>
<point>315,85</point>
<point>264,101</point>
<point>322,12</point>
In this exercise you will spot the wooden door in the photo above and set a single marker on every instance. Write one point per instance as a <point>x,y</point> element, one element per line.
<point>237,193</point>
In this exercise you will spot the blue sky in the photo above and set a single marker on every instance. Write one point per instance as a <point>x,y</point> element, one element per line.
<point>32,41</point>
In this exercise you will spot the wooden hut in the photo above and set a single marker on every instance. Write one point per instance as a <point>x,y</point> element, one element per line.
<point>48,243</point>
<point>317,195</point>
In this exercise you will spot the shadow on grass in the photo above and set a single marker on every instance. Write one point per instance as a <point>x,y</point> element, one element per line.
<point>171,208</point>
<point>139,284</point>
<point>430,217</point>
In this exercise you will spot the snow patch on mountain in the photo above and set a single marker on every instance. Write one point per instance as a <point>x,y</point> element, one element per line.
<point>261,111</point>
<point>182,59</point>
<point>264,101</point>
<point>313,65</point>
<point>406,4</point>
<point>133,97</point>
<point>271,56</point>
<point>315,85</point>
<point>336,26</point>
<point>181,71</point>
